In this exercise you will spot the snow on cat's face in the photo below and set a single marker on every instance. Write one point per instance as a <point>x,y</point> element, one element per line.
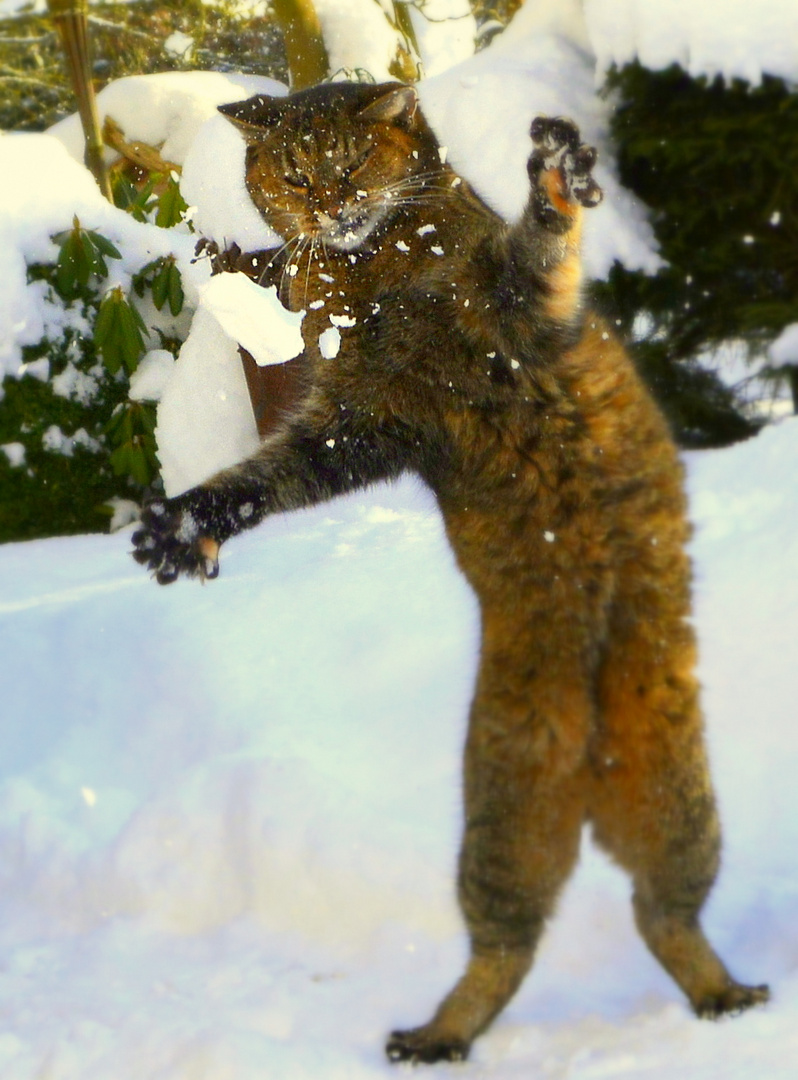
<point>331,164</point>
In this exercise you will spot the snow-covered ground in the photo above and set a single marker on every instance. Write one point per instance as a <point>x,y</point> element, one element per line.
<point>229,815</point>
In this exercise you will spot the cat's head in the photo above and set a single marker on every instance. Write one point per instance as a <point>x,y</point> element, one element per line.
<point>336,161</point>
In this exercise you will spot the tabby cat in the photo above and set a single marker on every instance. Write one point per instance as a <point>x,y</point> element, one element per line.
<point>442,341</point>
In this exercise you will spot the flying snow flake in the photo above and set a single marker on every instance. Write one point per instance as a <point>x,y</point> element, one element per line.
<point>15,452</point>
<point>330,443</point>
<point>548,537</point>
<point>514,364</point>
<point>436,249</point>
<point>188,530</point>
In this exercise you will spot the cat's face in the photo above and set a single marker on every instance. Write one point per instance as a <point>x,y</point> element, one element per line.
<point>334,163</point>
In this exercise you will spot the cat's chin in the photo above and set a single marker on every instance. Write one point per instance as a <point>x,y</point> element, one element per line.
<point>351,234</point>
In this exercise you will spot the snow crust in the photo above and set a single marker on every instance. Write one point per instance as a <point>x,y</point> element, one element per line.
<point>733,38</point>
<point>229,815</point>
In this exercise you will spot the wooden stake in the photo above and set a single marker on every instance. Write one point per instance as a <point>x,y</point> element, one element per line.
<point>308,62</point>
<point>71,21</point>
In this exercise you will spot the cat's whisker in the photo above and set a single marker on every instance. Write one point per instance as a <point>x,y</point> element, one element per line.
<point>307,272</point>
<point>276,255</point>
<point>293,259</point>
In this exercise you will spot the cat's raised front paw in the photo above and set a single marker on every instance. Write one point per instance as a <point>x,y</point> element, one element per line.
<point>560,169</point>
<point>170,543</point>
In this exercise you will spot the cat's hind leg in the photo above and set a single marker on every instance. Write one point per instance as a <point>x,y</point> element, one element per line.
<point>524,808</point>
<point>651,798</point>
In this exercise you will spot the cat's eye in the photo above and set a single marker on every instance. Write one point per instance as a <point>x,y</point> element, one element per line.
<point>359,162</point>
<point>297,180</point>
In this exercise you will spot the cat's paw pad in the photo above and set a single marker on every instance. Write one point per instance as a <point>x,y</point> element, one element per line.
<point>421,1046</point>
<point>170,543</point>
<point>560,168</point>
<point>732,1001</point>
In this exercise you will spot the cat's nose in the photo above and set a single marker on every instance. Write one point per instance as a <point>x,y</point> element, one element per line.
<point>331,212</point>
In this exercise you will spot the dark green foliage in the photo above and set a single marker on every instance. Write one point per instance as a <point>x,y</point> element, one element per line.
<point>84,392</point>
<point>132,431</point>
<point>81,256</point>
<point>52,493</point>
<point>119,332</point>
<point>718,165</point>
<point>163,278</point>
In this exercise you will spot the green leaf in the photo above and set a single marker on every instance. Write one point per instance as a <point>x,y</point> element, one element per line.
<point>119,332</point>
<point>176,294</point>
<point>82,254</point>
<point>138,202</point>
<point>160,285</point>
<point>171,205</point>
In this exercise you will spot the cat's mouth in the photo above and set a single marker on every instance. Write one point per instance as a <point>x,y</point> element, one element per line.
<point>350,230</point>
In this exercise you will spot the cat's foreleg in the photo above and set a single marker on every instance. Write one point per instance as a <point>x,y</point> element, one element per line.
<point>324,452</point>
<point>545,243</point>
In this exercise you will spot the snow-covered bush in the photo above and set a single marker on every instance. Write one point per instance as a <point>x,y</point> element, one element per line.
<point>77,436</point>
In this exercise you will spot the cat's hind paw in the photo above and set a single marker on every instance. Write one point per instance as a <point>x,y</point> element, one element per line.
<point>170,543</point>
<point>421,1046</point>
<point>560,170</point>
<point>731,1001</point>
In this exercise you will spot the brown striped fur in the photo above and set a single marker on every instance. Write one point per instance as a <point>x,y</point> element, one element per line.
<point>562,496</point>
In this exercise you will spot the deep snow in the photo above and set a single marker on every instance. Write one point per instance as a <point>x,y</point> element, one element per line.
<point>229,815</point>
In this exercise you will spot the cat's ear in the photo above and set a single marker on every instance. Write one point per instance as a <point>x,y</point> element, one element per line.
<point>255,116</point>
<point>397,106</point>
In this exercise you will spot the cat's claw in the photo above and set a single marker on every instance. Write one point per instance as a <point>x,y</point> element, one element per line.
<point>169,543</point>
<point>560,168</point>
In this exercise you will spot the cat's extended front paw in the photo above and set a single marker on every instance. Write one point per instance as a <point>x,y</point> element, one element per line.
<point>171,542</point>
<point>560,170</point>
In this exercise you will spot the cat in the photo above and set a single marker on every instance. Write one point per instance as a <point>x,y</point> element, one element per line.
<point>443,341</point>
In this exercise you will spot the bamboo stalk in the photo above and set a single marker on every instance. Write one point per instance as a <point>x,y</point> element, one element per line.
<point>308,62</point>
<point>71,21</point>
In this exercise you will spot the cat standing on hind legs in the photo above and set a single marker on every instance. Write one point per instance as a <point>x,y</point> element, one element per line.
<point>474,365</point>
